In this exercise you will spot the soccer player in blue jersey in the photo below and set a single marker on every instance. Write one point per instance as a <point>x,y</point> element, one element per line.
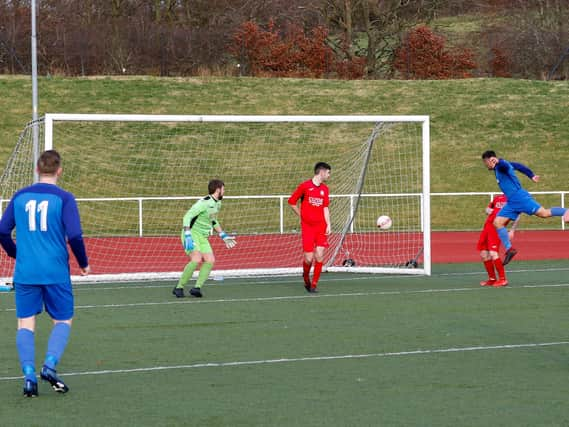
<point>519,200</point>
<point>46,218</point>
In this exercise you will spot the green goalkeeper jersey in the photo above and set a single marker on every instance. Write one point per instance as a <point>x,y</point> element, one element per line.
<point>202,216</point>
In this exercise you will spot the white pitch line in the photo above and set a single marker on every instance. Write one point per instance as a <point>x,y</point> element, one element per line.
<point>309,359</point>
<point>236,282</point>
<point>471,273</point>
<point>303,297</point>
<point>280,281</point>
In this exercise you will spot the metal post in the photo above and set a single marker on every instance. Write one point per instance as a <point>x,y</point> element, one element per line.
<point>281,214</point>
<point>35,90</point>
<point>140,217</point>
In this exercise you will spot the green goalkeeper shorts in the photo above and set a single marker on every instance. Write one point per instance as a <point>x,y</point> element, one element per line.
<point>201,243</point>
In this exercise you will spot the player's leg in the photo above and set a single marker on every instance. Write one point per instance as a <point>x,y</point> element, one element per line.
<point>308,240</point>
<point>493,252</point>
<point>482,247</point>
<point>58,340</point>
<point>318,260</point>
<point>59,304</point>
<point>207,259</point>
<point>501,223</point>
<point>205,269</point>
<point>522,204</point>
<point>499,266</point>
<point>195,259</point>
<point>25,343</point>
<point>28,304</point>
<point>555,211</point>
<point>321,245</point>
<point>489,267</point>
<point>508,213</point>
<point>306,266</point>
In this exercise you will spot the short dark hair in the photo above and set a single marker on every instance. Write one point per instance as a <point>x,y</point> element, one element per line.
<point>49,162</point>
<point>488,154</point>
<point>213,185</point>
<point>321,165</point>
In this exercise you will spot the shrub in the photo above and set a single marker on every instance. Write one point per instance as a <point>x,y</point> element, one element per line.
<point>424,55</point>
<point>500,63</point>
<point>292,53</point>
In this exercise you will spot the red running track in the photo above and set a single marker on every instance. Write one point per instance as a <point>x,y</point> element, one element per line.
<point>450,247</point>
<point>165,253</point>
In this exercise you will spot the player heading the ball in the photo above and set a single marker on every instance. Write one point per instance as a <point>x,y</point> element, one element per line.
<point>519,199</point>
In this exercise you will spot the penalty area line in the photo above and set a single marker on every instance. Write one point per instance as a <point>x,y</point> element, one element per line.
<point>310,359</point>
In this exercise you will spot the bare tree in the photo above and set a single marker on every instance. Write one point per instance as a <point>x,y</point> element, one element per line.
<point>535,34</point>
<point>378,24</point>
<point>14,25</point>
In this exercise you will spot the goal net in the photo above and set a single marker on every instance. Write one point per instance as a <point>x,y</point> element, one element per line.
<point>135,176</point>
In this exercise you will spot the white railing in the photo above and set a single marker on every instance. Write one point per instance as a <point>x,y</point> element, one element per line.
<point>491,194</point>
<point>281,198</point>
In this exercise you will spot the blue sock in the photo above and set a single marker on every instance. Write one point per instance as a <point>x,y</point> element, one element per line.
<point>27,353</point>
<point>56,344</point>
<point>503,235</point>
<point>558,211</point>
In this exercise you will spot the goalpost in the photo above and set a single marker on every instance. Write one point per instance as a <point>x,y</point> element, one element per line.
<point>134,177</point>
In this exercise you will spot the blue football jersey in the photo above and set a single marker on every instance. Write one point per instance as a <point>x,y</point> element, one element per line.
<point>507,179</point>
<point>45,216</point>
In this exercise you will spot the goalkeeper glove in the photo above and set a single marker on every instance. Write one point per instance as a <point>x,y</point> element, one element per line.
<point>188,241</point>
<point>229,240</point>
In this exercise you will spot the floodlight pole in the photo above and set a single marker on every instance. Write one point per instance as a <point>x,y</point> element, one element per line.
<point>35,91</point>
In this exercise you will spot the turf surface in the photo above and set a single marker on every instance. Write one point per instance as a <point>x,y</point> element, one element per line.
<point>366,351</point>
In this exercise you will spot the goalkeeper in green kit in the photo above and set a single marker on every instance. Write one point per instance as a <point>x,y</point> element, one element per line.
<point>197,225</point>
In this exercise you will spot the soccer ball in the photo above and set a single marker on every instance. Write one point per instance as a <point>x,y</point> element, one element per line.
<point>384,222</point>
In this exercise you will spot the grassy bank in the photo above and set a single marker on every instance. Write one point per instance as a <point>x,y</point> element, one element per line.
<point>522,120</point>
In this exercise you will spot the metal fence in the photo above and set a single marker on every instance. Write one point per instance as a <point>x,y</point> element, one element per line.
<point>445,210</point>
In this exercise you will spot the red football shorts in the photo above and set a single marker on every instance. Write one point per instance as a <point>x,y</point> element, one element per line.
<point>312,236</point>
<point>489,240</point>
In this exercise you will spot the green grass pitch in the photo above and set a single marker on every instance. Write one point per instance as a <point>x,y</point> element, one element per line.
<point>366,351</point>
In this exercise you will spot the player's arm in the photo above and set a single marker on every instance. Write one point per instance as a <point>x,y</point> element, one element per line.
<point>327,219</point>
<point>520,167</point>
<point>188,221</point>
<point>295,208</point>
<point>229,240</point>
<point>72,224</point>
<point>7,224</point>
<point>327,212</point>
<point>490,208</point>
<point>294,198</point>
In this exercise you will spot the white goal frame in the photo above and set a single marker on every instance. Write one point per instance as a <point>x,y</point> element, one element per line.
<point>424,269</point>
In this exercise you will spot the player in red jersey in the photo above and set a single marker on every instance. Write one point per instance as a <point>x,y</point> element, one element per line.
<point>314,215</point>
<point>489,244</point>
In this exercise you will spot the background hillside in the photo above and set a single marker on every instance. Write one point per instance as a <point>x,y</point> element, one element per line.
<point>316,38</point>
<point>519,119</point>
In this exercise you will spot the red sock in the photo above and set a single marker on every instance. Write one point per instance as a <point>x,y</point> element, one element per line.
<point>306,272</point>
<point>489,266</point>
<point>316,275</point>
<point>500,268</point>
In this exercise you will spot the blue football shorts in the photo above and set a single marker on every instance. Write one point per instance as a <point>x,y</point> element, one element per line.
<point>57,299</point>
<point>523,203</point>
